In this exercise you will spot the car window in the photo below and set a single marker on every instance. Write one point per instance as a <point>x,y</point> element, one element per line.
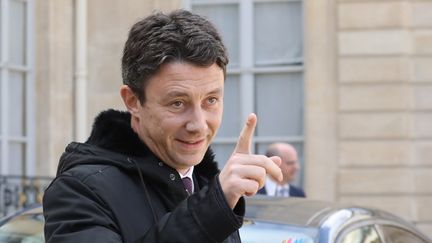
<point>364,234</point>
<point>258,232</point>
<point>394,234</point>
<point>23,229</point>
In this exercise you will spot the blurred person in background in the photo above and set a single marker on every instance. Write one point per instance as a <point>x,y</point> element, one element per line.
<point>290,166</point>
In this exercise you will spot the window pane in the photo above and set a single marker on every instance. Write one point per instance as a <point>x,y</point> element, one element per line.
<point>1,109</point>
<point>223,153</point>
<point>230,122</point>
<point>278,33</point>
<point>225,17</point>
<point>16,104</point>
<point>16,158</point>
<point>1,32</point>
<point>366,234</point>
<point>397,235</point>
<point>17,31</point>
<point>279,104</point>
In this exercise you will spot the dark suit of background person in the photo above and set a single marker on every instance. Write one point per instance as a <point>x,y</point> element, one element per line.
<point>147,174</point>
<point>290,166</point>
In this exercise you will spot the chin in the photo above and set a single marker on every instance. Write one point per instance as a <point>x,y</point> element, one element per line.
<point>191,160</point>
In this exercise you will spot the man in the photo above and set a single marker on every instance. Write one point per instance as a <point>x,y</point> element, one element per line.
<point>290,166</point>
<point>148,174</point>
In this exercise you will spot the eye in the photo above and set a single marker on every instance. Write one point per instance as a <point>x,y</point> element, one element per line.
<point>177,104</point>
<point>212,100</point>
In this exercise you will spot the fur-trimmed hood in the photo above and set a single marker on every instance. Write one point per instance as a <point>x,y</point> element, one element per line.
<point>113,141</point>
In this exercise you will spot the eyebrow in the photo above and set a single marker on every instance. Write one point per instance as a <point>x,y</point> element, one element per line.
<point>216,91</point>
<point>176,93</point>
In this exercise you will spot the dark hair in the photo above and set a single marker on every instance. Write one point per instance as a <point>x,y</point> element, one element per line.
<point>162,38</point>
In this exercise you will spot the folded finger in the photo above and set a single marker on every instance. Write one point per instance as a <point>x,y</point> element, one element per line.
<point>269,164</point>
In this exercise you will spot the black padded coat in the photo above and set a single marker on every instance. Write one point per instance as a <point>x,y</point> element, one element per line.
<point>113,189</point>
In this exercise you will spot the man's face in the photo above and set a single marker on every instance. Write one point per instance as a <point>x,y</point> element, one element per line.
<point>289,166</point>
<point>182,112</point>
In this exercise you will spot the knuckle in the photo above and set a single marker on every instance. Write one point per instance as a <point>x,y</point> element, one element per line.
<point>263,158</point>
<point>262,172</point>
<point>235,169</point>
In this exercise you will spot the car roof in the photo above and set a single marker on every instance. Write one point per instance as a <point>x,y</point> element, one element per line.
<point>297,211</point>
<point>318,214</point>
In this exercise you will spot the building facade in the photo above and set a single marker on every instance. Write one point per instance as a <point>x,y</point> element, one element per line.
<point>352,81</point>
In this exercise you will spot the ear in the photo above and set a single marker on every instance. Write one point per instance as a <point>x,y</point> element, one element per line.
<point>130,100</point>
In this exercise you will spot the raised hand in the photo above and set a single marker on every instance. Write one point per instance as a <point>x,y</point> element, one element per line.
<point>244,173</point>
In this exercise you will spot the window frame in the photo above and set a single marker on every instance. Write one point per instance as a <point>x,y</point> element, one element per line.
<point>27,69</point>
<point>247,71</point>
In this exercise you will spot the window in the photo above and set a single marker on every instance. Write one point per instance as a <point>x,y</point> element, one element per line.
<point>16,87</point>
<point>265,73</point>
<point>394,234</point>
<point>364,234</point>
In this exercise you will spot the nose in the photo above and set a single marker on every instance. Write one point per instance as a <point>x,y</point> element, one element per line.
<point>197,122</point>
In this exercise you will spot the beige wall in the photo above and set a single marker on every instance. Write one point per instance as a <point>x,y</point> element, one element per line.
<point>54,79</point>
<point>320,100</point>
<point>377,152</point>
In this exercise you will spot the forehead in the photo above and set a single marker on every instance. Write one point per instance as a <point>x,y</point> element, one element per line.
<point>289,155</point>
<point>183,77</point>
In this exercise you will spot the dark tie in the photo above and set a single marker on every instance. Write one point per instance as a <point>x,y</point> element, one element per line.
<point>187,182</point>
<point>282,191</point>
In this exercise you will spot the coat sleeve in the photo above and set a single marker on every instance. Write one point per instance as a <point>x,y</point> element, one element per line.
<point>74,213</point>
<point>203,217</point>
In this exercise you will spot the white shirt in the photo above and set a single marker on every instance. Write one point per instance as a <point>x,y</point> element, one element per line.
<point>274,189</point>
<point>189,175</point>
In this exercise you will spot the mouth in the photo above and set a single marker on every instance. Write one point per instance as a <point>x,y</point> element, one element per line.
<point>191,144</point>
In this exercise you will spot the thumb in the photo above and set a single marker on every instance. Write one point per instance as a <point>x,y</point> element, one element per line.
<point>245,139</point>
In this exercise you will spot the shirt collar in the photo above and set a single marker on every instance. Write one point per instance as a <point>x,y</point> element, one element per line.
<point>189,174</point>
<point>271,186</point>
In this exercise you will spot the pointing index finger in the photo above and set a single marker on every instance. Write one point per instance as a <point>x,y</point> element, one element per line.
<point>245,139</point>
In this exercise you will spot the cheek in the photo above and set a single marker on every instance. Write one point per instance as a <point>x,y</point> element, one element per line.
<point>153,123</point>
<point>170,125</point>
<point>215,119</point>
